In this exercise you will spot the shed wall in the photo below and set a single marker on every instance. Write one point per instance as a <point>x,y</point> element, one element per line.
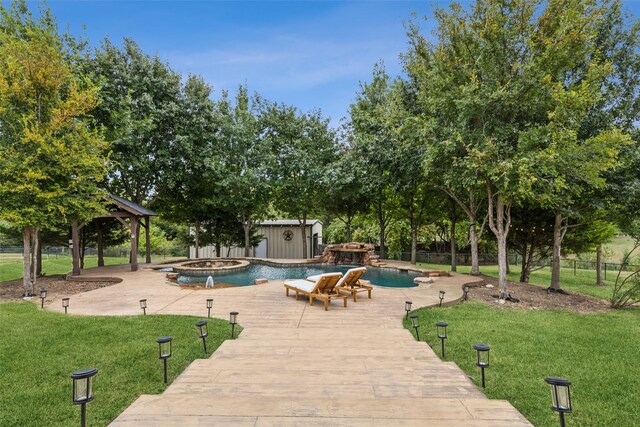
<point>277,246</point>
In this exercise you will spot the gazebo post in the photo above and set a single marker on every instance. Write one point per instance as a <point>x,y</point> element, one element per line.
<point>75,250</point>
<point>100,243</point>
<point>133,224</point>
<point>147,235</point>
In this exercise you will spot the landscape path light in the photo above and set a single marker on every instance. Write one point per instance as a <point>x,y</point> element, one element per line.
<point>143,306</point>
<point>164,352</point>
<point>43,296</point>
<point>441,296</point>
<point>407,308</point>
<point>414,323</point>
<point>65,304</point>
<point>442,333</point>
<point>83,391</point>
<point>482,358</point>
<point>209,306</point>
<point>233,318</point>
<point>202,333</point>
<point>561,396</point>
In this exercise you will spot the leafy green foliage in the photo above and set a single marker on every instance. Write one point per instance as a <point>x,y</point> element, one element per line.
<point>140,109</point>
<point>51,161</point>
<point>626,289</point>
<point>504,90</point>
<point>305,147</point>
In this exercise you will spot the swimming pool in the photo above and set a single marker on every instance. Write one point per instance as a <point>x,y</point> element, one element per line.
<point>388,277</point>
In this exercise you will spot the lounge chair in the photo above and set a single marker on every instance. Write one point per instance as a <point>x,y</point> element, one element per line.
<point>350,282</point>
<point>323,289</point>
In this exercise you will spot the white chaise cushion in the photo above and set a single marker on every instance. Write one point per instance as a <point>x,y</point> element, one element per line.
<point>303,285</point>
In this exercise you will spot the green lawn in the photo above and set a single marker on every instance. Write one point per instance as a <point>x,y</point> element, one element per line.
<point>597,353</point>
<point>40,349</point>
<point>11,266</point>
<point>583,282</point>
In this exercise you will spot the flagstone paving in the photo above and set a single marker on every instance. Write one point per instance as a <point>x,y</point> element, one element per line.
<point>298,365</point>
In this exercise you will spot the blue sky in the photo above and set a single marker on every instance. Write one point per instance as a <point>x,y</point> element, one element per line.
<point>311,54</point>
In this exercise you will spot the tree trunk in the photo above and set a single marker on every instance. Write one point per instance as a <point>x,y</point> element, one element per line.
<point>414,243</point>
<point>39,261</point>
<point>499,223</point>
<point>473,237</point>
<point>83,246</point>
<point>75,243</point>
<point>599,279</point>
<point>502,265</point>
<point>454,218</point>
<point>246,223</point>
<point>555,257</point>
<point>218,249</point>
<point>527,261</point>
<point>414,236</point>
<point>303,229</point>
<point>26,261</point>
<point>197,237</point>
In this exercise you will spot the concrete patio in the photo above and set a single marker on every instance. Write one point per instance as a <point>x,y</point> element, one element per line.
<point>296,364</point>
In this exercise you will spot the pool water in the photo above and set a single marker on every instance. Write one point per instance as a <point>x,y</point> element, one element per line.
<point>378,276</point>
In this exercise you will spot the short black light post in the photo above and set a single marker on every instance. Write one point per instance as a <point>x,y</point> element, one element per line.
<point>143,306</point>
<point>209,306</point>
<point>483,358</point>
<point>442,333</point>
<point>83,391</point>
<point>202,333</point>
<point>233,318</point>
<point>414,323</point>
<point>407,308</point>
<point>164,352</point>
<point>441,296</point>
<point>561,396</point>
<point>43,296</point>
<point>65,304</point>
<point>465,288</point>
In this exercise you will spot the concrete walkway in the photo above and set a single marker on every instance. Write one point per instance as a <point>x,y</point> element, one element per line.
<point>296,364</point>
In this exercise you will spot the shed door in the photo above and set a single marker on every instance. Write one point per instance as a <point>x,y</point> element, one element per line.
<point>261,249</point>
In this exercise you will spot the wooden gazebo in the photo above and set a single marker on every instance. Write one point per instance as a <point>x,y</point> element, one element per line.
<point>131,215</point>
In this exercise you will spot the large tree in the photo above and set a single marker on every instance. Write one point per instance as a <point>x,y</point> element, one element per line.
<point>304,146</point>
<point>346,189</point>
<point>499,75</point>
<point>140,110</point>
<point>248,159</point>
<point>190,189</point>
<point>51,159</point>
<point>373,143</point>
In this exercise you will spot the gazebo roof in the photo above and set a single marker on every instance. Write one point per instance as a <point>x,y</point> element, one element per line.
<point>129,206</point>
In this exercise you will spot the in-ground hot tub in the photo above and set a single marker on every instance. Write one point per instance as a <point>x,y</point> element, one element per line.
<point>210,267</point>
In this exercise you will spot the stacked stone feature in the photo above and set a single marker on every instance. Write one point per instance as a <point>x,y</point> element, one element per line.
<point>350,253</point>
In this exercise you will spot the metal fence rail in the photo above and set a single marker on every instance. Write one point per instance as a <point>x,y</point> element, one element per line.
<point>514,259</point>
<point>63,251</point>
